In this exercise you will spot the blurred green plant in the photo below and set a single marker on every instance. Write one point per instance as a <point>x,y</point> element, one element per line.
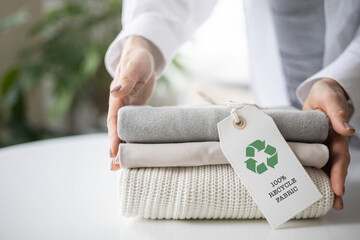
<point>14,20</point>
<point>69,48</point>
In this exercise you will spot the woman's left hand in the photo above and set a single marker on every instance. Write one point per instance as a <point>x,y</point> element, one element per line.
<point>328,96</point>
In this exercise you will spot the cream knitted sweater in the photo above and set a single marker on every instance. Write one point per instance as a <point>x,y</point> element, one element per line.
<point>205,192</point>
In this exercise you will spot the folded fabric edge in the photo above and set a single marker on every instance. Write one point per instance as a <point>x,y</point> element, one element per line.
<point>151,155</point>
<point>316,210</point>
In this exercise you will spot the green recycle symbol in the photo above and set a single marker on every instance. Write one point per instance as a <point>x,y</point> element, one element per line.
<point>251,163</point>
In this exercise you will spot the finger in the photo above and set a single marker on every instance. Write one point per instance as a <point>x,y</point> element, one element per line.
<point>309,105</point>
<point>340,159</point>
<point>338,203</point>
<point>114,166</point>
<point>137,88</point>
<point>336,110</point>
<point>126,79</point>
<point>143,93</point>
<point>114,105</point>
<point>125,86</point>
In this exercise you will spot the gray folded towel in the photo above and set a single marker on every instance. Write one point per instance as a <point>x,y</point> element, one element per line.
<point>145,124</point>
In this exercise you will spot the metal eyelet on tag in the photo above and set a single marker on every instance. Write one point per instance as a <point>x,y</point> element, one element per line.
<point>241,124</point>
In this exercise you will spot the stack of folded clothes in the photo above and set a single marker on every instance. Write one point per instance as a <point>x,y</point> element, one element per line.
<point>172,166</point>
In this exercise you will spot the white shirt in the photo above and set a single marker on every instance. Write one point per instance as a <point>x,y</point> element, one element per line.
<point>170,23</point>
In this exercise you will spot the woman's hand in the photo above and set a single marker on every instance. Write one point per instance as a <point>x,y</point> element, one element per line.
<point>133,84</point>
<point>329,97</point>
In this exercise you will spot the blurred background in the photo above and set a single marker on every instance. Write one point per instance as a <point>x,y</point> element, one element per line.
<point>53,79</point>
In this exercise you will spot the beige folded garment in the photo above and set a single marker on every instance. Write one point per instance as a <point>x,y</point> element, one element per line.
<point>133,155</point>
<point>213,191</point>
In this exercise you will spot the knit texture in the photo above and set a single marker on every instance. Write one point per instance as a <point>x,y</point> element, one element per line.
<point>145,124</point>
<point>206,192</point>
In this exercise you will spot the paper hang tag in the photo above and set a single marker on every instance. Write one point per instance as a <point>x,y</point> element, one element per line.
<point>266,165</point>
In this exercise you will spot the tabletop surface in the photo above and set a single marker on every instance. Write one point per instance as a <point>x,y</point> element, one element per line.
<point>63,189</point>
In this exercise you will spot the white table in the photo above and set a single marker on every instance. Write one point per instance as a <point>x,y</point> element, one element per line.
<point>63,189</point>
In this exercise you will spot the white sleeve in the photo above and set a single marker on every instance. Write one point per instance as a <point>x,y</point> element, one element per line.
<point>166,23</point>
<point>346,71</point>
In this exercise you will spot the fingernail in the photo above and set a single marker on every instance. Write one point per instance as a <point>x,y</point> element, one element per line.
<point>111,164</point>
<point>117,88</point>
<point>348,126</point>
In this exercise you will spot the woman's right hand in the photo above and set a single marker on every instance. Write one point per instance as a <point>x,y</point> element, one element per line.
<point>133,84</point>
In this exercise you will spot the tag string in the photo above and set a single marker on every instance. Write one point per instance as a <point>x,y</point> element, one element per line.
<point>237,106</point>
<point>206,98</point>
